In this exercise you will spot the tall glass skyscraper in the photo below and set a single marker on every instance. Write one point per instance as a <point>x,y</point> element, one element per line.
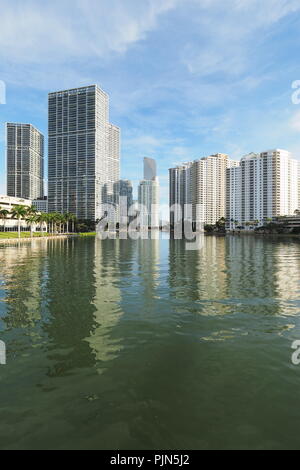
<point>149,195</point>
<point>25,161</point>
<point>84,152</point>
<point>150,169</point>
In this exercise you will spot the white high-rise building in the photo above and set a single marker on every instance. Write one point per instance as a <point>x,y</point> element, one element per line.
<point>149,203</point>
<point>149,196</point>
<point>25,161</point>
<point>264,186</point>
<point>113,164</point>
<point>201,184</point>
<point>83,152</point>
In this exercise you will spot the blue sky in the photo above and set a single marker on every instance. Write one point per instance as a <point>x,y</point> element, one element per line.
<point>186,78</point>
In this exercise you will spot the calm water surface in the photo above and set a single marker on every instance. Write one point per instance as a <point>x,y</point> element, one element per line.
<point>144,345</point>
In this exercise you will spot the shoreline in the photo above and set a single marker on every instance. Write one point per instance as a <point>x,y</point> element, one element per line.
<point>268,235</point>
<point>30,239</point>
<point>5,241</point>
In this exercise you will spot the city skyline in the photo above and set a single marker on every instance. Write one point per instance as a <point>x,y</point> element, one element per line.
<point>204,92</point>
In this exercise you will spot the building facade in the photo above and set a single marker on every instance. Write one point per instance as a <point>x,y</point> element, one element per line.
<point>149,203</point>
<point>126,201</point>
<point>150,169</point>
<point>149,195</point>
<point>180,192</point>
<point>83,152</point>
<point>126,190</point>
<point>199,187</point>
<point>41,204</point>
<point>264,186</point>
<point>25,161</point>
<point>113,165</point>
<point>8,203</point>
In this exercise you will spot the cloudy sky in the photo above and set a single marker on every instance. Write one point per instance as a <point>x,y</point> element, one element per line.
<point>186,78</point>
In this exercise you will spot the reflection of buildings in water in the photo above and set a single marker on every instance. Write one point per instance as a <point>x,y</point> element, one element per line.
<point>70,290</point>
<point>22,275</point>
<point>198,274</point>
<point>287,276</point>
<point>106,301</point>
<point>149,265</point>
<point>72,285</point>
<point>250,263</point>
<point>211,272</point>
<point>245,274</point>
<point>261,269</point>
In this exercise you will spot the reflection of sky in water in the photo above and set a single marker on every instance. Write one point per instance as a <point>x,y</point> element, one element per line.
<point>138,329</point>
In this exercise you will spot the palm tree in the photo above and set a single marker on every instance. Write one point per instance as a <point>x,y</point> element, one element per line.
<point>68,218</point>
<point>73,219</point>
<point>42,219</point>
<point>19,213</point>
<point>31,219</point>
<point>47,221</point>
<point>51,218</point>
<point>31,210</point>
<point>234,222</point>
<point>61,221</point>
<point>3,215</point>
<point>55,221</point>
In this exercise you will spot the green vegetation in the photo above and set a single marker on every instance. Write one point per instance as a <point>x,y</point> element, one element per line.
<point>275,228</point>
<point>6,235</point>
<point>219,227</point>
<point>42,224</point>
<point>87,234</point>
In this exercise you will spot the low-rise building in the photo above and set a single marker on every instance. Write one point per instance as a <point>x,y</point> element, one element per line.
<point>41,204</point>
<point>7,203</point>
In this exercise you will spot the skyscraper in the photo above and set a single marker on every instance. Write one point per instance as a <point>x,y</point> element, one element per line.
<point>150,169</point>
<point>180,192</point>
<point>113,164</point>
<point>201,184</point>
<point>264,186</point>
<point>25,161</point>
<point>83,152</point>
<point>149,203</point>
<point>126,193</point>
<point>149,195</point>
<point>126,190</point>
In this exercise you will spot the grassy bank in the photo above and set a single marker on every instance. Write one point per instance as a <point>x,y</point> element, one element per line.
<point>12,235</point>
<point>87,234</point>
<point>9,235</point>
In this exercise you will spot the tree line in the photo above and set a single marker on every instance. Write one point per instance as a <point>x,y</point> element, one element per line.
<point>53,223</point>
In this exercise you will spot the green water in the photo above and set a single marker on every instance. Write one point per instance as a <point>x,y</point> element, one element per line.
<point>145,345</point>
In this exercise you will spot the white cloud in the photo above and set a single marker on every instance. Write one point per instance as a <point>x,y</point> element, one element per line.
<point>145,144</point>
<point>228,31</point>
<point>62,30</point>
